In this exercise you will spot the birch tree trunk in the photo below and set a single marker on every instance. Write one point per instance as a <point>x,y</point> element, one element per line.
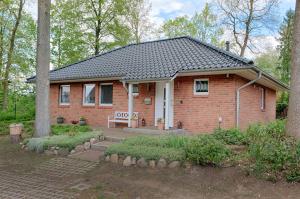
<point>42,116</point>
<point>293,123</point>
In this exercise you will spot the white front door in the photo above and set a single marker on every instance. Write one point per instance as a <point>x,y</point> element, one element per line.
<point>160,97</point>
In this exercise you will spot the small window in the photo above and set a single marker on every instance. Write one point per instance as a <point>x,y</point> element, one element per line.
<point>135,89</point>
<point>64,96</point>
<point>89,94</point>
<point>201,87</point>
<point>106,94</point>
<point>263,99</point>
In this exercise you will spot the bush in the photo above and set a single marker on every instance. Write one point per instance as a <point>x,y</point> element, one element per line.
<point>230,136</point>
<point>28,127</point>
<point>62,141</point>
<point>201,150</point>
<point>206,149</point>
<point>147,152</point>
<point>69,129</point>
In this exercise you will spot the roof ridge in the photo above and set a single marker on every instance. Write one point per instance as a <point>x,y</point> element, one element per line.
<point>220,50</point>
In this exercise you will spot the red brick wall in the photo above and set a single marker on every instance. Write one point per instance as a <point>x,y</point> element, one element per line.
<point>250,104</point>
<point>197,113</point>
<point>200,114</point>
<point>97,115</point>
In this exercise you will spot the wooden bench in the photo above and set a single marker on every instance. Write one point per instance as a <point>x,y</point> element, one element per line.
<point>120,117</point>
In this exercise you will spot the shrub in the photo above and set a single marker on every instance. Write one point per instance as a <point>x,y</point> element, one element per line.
<point>230,136</point>
<point>147,152</point>
<point>63,141</point>
<point>65,129</point>
<point>205,150</point>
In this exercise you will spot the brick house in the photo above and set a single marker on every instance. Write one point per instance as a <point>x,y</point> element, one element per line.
<point>182,80</point>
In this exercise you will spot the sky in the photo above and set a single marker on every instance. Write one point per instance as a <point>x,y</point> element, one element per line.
<point>163,10</point>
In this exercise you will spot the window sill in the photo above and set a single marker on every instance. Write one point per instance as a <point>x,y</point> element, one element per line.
<point>88,105</point>
<point>105,107</point>
<point>64,105</point>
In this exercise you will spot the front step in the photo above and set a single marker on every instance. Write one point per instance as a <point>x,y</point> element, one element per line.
<point>101,146</point>
<point>113,139</point>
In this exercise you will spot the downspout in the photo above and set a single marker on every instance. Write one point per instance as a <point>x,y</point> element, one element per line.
<point>259,75</point>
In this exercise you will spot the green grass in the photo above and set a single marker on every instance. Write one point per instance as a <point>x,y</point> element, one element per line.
<point>68,129</point>
<point>63,141</point>
<point>147,152</point>
<point>28,127</point>
<point>230,136</point>
<point>174,147</point>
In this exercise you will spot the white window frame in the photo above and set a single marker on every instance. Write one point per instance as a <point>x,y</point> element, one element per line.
<point>201,93</point>
<point>83,95</point>
<point>60,92</point>
<point>136,94</point>
<point>100,94</point>
<point>263,99</point>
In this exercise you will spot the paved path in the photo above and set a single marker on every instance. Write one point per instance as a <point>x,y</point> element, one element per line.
<point>56,178</point>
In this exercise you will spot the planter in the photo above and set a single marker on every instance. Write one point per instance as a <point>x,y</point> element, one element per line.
<point>134,124</point>
<point>15,133</point>
<point>160,126</point>
<point>82,122</point>
<point>60,120</point>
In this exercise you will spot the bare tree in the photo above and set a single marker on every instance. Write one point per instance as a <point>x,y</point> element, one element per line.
<point>18,16</point>
<point>137,16</point>
<point>247,18</point>
<point>42,117</point>
<point>293,122</point>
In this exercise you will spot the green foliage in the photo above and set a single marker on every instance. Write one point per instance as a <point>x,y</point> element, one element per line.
<point>62,141</point>
<point>202,25</point>
<point>147,152</point>
<point>68,129</point>
<point>272,153</point>
<point>268,61</point>
<point>285,47</point>
<point>201,150</point>
<point>230,136</point>
<point>206,150</point>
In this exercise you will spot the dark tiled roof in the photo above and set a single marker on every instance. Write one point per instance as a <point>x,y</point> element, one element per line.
<point>159,59</point>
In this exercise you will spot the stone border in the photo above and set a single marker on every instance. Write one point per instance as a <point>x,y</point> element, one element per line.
<point>55,150</point>
<point>128,161</point>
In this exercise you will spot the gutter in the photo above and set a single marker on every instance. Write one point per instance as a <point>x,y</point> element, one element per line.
<point>259,75</point>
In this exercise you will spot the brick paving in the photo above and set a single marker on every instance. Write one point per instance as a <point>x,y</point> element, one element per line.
<point>52,179</point>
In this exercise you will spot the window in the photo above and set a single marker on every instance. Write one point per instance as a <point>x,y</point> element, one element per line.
<point>135,89</point>
<point>64,95</point>
<point>263,99</point>
<point>201,87</point>
<point>106,94</point>
<point>89,94</point>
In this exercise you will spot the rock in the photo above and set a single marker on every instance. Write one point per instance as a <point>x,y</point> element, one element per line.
<point>187,165</point>
<point>133,161</point>
<point>121,159</point>
<point>93,141</point>
<point>114,158</point>
<point>107,158</point>
<point>52,148</point>
<point>57,148</point>
<point>87,145</point>
<point>55,152</point>
<point>162,163</point>
<point>101,138</point>
<point>48,152</point>
<point>72,152</point>
<point>23,146</point>
<point>26,148</point>
<point>142,162</point>
<point>152,163</point>
<point>174,164</point>
<point>127,161</point>
<point>79,148</point>
<point>63,152</point>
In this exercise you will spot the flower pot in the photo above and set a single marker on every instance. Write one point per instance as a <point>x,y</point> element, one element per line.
<point>60,120</point>
<point>82,122</point>
<point>134,123</point>
<point>15,133</point>
<point>161,126</point>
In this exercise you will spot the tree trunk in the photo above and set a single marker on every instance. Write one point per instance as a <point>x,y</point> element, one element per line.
<point>293,123</point>
<point>10,55</point>
<point>42,116</point>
